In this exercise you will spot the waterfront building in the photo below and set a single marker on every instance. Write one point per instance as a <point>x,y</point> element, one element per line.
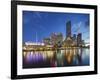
<point>53,38</point>
<point>68,40</point>
<point>47,41</point>
<point>56,38</point>
<point>79,39</point>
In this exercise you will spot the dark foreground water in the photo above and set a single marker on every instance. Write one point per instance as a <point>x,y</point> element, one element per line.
<point>58,58</point>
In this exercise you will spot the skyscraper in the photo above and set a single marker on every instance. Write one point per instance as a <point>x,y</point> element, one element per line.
<point>79,39</point>
<point>74,37</point>
<point>68,40</point>
<point>68,29</point>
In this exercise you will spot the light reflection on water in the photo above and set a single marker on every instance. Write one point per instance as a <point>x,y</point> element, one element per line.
<point>58,58</point>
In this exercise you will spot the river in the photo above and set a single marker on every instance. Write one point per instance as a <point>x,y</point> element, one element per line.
<point>57,58</point>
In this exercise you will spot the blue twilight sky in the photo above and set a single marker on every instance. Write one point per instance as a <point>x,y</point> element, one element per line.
<point>40,25</point>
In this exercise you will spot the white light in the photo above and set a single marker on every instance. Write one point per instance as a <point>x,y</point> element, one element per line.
<point>33,43</point>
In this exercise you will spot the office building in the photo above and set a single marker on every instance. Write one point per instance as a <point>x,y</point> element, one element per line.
<point>79,39</point>
<point>68,29</point>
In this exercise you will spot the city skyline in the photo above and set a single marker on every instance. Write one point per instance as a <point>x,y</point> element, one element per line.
<point>39,25</point>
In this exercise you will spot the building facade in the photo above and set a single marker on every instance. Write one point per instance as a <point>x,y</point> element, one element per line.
<point>68,29</point>
<point>79,39</point>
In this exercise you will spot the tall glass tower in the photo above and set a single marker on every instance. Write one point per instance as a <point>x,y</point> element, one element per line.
<point>68,29</point>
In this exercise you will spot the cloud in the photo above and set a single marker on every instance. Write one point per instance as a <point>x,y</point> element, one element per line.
<point>37,15</point>
<point>81,27</point>
<point>77,26</point>
<point>87,24</point>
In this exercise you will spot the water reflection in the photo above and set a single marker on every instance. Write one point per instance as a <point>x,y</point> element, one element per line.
<point>56,58</point>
